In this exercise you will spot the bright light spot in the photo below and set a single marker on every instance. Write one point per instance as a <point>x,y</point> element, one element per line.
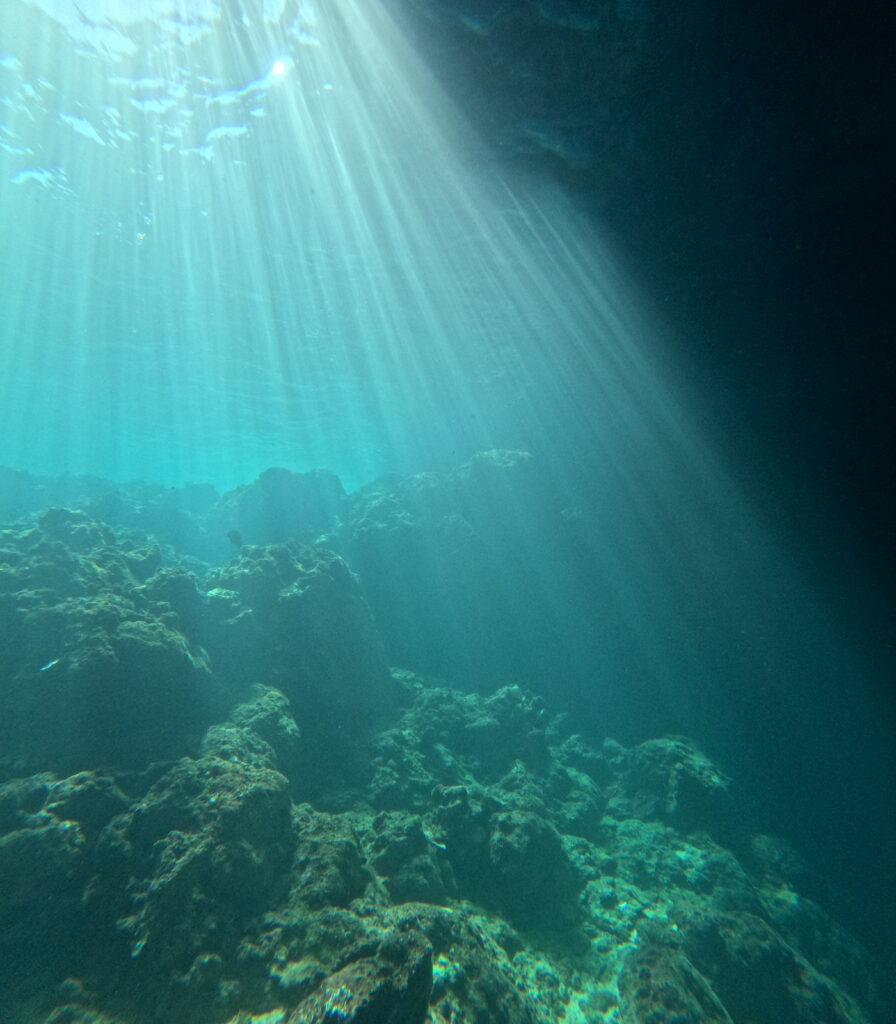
<point>279,68</point>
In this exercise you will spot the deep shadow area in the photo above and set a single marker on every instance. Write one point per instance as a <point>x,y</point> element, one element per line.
<point>742,158</point>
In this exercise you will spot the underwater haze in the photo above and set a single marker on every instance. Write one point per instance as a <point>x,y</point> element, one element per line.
<point>395,627</point>
<point>251,241</point>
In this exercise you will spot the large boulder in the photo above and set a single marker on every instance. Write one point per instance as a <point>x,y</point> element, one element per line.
<point>392,985</point>
<point>279,506</point>
<point>95,676</point>
<point>295,617</point>
<point>187,868</point>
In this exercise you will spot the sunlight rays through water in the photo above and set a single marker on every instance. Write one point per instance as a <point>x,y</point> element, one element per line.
<point>243,242</point>
<point>224,267</point>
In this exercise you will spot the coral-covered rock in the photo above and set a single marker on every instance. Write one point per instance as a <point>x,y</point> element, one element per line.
<point>95,678</point>
<point>260,731</point>
<point>206,847</point>
<point>295,618</point>
<point>657,983</point>
<point>413,866</point>
<point>514,862</point>
<point>449,732</point>
<point>46,873</point>
<point>329,869</point>
<point>475,979</point>
<point>38,865</point>
<point>759,977</point>
<point>531,871</point>
<point>393,985</point>
<point>175,590</point>
<point>22,798</point>
<point>378,964</point>
<point>672,780</point>
<point>87,798</point>
<point>347,843</point>
<point>301,614</point>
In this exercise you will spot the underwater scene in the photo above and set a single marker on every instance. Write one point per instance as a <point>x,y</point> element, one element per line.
<point>445,554</point>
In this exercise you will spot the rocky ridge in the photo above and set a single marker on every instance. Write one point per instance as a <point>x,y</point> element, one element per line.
<point>219,804</point>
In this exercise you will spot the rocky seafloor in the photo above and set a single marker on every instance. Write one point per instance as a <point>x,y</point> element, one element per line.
<point>219,803</point>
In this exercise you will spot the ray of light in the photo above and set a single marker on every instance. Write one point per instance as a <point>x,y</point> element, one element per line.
<point>241,240</point>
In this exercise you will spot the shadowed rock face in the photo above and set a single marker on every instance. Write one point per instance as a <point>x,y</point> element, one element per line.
<point>95,676</point>
<point>659,985</point>
<point>485,901</point>
<point>113,662</point>
<point>392,985</point>
<point>301,614</point>
<point>279,506</point>
<point>296,618</point>
<point>207,847</point>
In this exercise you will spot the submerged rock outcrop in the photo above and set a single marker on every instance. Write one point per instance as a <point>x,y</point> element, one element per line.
<point>218,803</point>
<point>95,675</point>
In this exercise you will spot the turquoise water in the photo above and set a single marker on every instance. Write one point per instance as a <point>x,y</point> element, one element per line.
<point>238,244</point>
<point>237,238</point>
<point>266,237</point>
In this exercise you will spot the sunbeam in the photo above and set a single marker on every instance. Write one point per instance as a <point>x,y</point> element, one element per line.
<point>307,261</point>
